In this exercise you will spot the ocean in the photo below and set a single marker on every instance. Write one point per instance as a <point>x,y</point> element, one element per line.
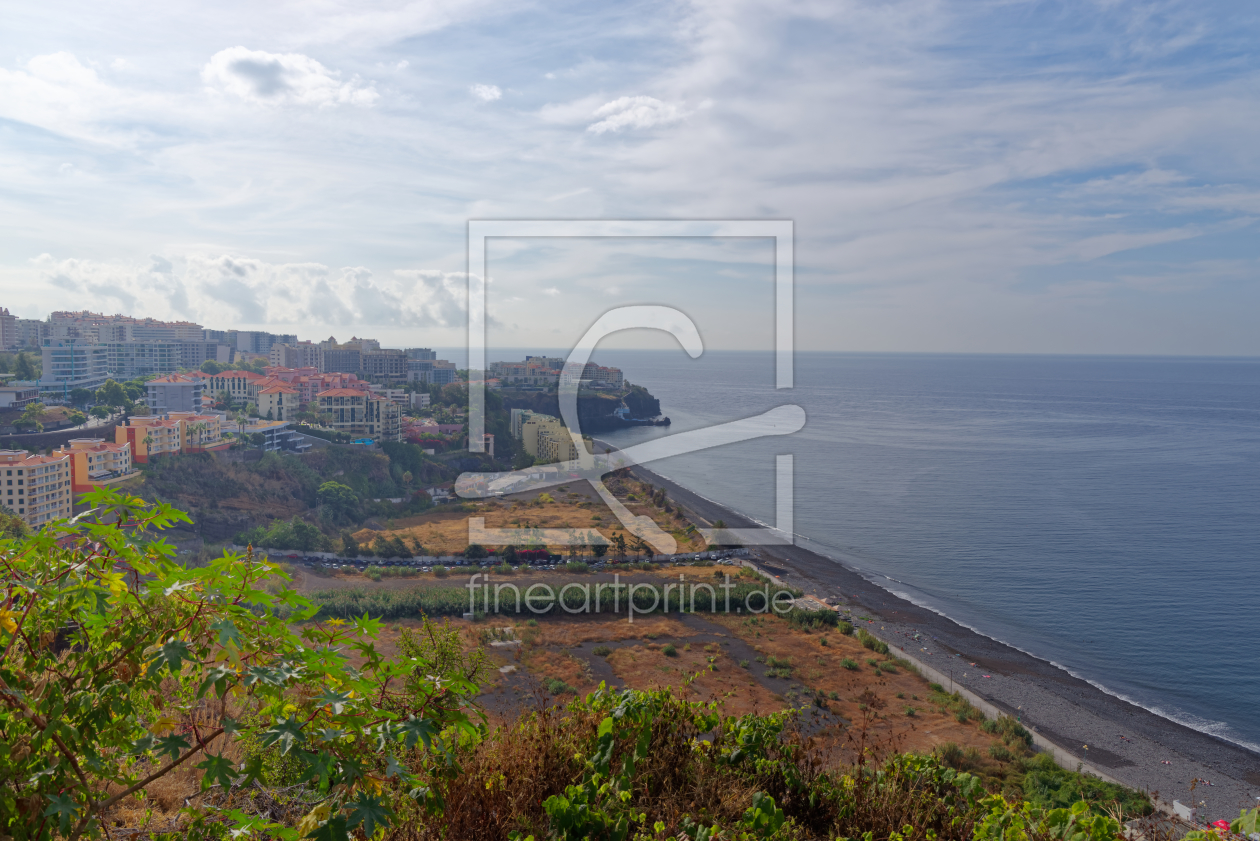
<point>1102,513</point>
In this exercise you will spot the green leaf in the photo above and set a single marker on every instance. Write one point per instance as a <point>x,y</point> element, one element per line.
<point>227,632</point>
<point>418,729</point>
<point>218,769</point>
<point>320,767</point>
<point>172,746</point>
<point>392,768</point>
<point>286,732</point>
<point>173,654</point>
<point>336,700</point>
<point>251,770</point>
<point>63,807</point>
<point>334,830</point>
<point>369,811</point>
<point>217,677</point>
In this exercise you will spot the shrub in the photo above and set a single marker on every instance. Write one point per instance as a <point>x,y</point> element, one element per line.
<point>441,571</point>
<point>169,665</point>
<point>601,651</point>
<point>576,566</point>
<point>503,569</point>
<point>558,687</point>
<point>669,650</point>
<point>850,664</point>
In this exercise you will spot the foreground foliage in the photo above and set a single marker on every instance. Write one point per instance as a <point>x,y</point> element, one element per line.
<point>119,666</point>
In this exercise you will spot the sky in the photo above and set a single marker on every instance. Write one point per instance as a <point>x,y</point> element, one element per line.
<point>1026,177</point>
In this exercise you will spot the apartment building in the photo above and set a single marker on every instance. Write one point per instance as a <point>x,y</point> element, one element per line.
<point>95,462</point>
<point>530,372</point>
<point>278,401</point>
<point>431,371</point>
<point>421,353</point>
<point>298,355</point>
<point>547,438</point>
<point>235,383</point>
<point>17,396</point>
<point>199,433</point>
<point>36,488</point>
<point>388,365</point>
<point>361,413</point>
<point>70,364</point>
<point>122,328</point>
<point>32,332</point>
<point>345,359</point>
<point>593,375</point>
<point>176,393</point>
<point>150,437</point>
<point>9,337</point>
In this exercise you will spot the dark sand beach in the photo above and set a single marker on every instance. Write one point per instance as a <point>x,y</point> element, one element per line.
<point>1124,741</point>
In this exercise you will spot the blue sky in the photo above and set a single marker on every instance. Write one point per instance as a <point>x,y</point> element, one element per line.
<point>1075,177</point>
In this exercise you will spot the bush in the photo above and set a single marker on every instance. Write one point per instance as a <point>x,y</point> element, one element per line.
<point>869,641</point>
<point>176,667</point>
<point>475,552</point>
<point>601,651</point>
<point>441,571</point>
<point>558,687</point>
<point>669,650</point>
<point>850,664</point>
<point>576,567</point>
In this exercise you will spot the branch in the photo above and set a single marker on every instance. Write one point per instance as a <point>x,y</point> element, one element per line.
<point>161,772</point>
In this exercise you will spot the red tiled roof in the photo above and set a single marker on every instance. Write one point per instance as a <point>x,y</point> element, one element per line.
<point>279,389</point>
<point>342,392</point>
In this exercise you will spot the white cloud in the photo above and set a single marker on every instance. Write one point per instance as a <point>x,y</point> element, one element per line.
<point>219,289</point>
<point>486,93</point>
<point>552,291</point>
<point>635,112</point>
<point>275,79</point>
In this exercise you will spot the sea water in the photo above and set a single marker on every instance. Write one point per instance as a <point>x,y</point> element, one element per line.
<point>1101,513</point>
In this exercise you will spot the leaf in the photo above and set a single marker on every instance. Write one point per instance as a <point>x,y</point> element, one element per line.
<point>172,746</point>
<point>392,768</point>
<point>62,805</point>
<point>173,654</point>
<point>418,729</point>
<point>286,732</point>
<point>227,632</point>
<point>336,700</point>
<point>251,769</point>
<point>369,811</point>
<point>218,769</point>
<point>218,678</point>
<point>334,830</point>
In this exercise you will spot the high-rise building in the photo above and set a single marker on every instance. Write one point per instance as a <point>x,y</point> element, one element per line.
<point>36,488</point>
<point>9,338</point>
<point>387,364</point>
<point>70,364</point>
<point>421,353</point>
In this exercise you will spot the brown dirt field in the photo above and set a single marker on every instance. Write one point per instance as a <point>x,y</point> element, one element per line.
<point>563,648</point>
<point>576,506</point>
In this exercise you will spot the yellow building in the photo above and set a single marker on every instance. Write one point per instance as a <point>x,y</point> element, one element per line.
<point>278,402</point>
<point>546,438</point>
<point>36,488</point>
<point>95,462</point>
<point>151,436</point>
<point>200,432</point>
<point>235,383</point>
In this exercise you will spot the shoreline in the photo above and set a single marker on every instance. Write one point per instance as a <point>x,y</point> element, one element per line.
<point>1123,740</point>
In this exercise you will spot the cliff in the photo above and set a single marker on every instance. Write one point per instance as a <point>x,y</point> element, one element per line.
<point>595,411</point>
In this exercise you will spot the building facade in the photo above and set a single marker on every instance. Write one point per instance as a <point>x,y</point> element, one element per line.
<point>36,488</point>
<point>70,364</point>
<point>95,462</point>
<point>298,355</point>
<point>361,413</point>
<point>175,393</point>
<point>278,402</point>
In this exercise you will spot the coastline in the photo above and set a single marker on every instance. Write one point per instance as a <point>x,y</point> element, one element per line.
<point>1120,739</point>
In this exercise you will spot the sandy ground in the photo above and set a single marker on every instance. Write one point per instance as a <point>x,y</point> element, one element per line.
<point>1133,745</point>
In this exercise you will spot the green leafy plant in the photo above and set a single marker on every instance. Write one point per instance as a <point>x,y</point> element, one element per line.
<point>120,665</point>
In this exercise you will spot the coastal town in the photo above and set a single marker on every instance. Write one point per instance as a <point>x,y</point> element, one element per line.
<point>85,398</point>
